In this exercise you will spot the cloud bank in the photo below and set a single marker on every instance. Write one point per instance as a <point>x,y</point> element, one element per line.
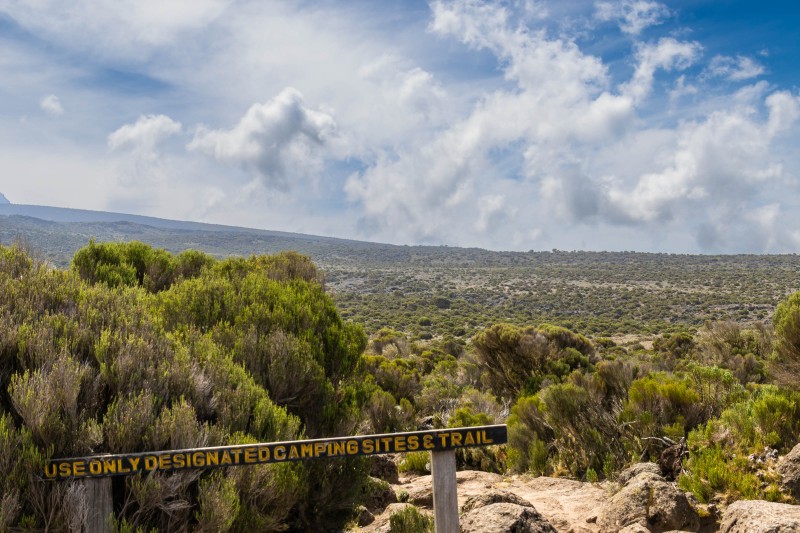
<point>507,125</point>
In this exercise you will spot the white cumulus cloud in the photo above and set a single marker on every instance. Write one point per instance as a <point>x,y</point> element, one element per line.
<point>138,152</point>
<point>279,140</point>
<point>667,54</point>
<point>633,16</point>
<point>144,135</point>
<point>715,173</point>
<point>51,105</point>
<point>735,68</point>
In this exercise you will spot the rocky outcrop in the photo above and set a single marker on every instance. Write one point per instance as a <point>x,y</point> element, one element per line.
<point>632,471</point>
<point>493,496</point>
<point>419,491</point>
<point>505,517</point>
<point>570,506</point>
<point>757,516</point>
<point>378,495</point>
<point>789,468</point>
<point>364,516</point>
<point>649,501</point>
<point>383,467</point>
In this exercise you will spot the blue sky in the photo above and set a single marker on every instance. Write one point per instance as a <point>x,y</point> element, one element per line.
<point>570,124</point>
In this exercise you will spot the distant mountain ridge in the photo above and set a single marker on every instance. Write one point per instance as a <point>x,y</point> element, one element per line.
<point>3,199</point>
<point>57,232</point>
<point>66,214</point>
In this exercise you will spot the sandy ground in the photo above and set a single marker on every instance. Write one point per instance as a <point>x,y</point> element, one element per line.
<point>570,506</point>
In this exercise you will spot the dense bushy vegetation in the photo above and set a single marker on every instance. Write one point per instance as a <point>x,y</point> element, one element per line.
<point>136,349</point>
<point>587,408</point>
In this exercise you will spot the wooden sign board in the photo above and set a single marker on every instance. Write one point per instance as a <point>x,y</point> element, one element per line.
<point>436,440</point>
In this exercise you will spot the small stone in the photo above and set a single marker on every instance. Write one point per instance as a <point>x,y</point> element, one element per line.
<point>364,517</point>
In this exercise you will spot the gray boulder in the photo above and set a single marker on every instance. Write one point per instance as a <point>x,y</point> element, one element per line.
<point>632,471</point>
<point>493,496</point>
<point>383,467</point>
<point>378,494</point>
<point>757,516</point>
<point>649,501</point>
<point>789,468</point>
<point>363,516</point>
<point>505,517</point>
<point>500,511</point>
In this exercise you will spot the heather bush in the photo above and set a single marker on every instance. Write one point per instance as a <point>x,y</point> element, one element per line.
<point>519,361</point>
<point>718,464</point>
<point>410,520</point>
<point>137,349</point>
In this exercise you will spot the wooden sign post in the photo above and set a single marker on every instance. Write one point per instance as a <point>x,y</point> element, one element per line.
<point>442,444</point>
<point>445,493</point>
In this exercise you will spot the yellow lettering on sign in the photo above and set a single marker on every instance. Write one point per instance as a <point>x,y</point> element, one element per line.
<point>65,469</point>
<point>250,456</point>
<point>178,460</point>
<point>199,459</point>
<point>307,450</point>
<point>352,447</point>
<point>455,439</point>
<point>367,446</point>
<point>485,439</point>
<point>226,458</point>
<point>427,442</point>
<point>319,448</point>
<point>399,444</point>
<point>79,468</point>
<point>150,463</point>
<point>468,439</point>
<point>293,452</point>
<point>387,441</point>
<point>338,448</point>
<point>164,462</point>
<point>263,453</point>
<point>109,466</point>
<point>236,454</point>
<point>134,462</point>
<point>50,470</point>
<point>413,442</point>
<point>212,458</point>
<point>280,453</point>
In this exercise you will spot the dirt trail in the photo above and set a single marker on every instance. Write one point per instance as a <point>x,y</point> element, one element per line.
<point>570,506</point>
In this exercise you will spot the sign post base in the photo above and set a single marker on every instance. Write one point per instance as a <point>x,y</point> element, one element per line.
<point>101,505</point>
<point>445,495</point>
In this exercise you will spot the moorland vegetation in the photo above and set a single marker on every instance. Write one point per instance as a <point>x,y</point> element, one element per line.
<point>134,348</point>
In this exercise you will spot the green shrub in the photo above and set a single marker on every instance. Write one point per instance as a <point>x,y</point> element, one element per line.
<point>416,462</point>
<point>410,520</point>
<point>519,361</point>
<point>218,502</point>
<point>717,465</point>
<point>134,349</point>
<point>659,401</point>
<point>786,366</point>
<point>712,472</point>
